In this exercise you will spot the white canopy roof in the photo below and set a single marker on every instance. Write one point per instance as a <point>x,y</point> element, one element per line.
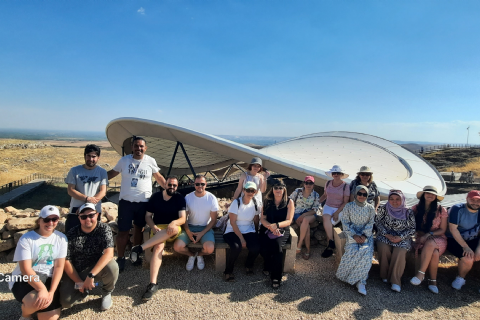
<point>314,154</point>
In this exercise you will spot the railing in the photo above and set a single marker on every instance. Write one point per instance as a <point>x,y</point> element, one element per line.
<point>445,146</point>
<point>17,183</point>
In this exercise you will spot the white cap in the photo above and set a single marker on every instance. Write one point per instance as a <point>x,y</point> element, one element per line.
<point>87,205</point>
<point>48,211</point>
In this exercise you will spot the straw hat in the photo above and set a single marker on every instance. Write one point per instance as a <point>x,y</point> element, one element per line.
<point>336,168</point>
<point>365,169</point>
<point>432,190</point>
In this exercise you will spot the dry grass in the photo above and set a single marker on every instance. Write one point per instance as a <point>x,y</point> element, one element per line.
<point>474,166</point>
<point>54,161</point>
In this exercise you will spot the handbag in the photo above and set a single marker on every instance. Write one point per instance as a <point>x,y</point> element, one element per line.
<point>273,236</point>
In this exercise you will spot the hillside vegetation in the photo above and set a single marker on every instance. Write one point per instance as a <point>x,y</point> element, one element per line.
<point>458,160</point>
<point>17,163</point>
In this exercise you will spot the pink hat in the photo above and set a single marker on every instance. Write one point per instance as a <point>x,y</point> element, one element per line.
<point>474,194</point>
<point>309,178</point>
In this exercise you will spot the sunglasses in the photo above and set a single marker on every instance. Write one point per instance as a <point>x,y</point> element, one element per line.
<point>336,173</point>
<point>395,191</point>
<point>200,184</point>
<point>362,194</point>
<point>250,190</point>
<point>47,220</point>
<point>85,216</point>
<point>278,188</point>
<point>365,174</point>
<point>309,183</point>
<point>172,185</point>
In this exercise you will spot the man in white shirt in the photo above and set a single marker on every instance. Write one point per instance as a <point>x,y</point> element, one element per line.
<point>202,207</point>
<point>137,170</point>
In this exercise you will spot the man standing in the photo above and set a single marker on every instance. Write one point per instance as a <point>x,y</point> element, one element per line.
<point>463,238</point>
<point>86,183</point>
<point>137,170</point>
<point>202,207</point>
<point>165,216</point>
<point>89,260</point>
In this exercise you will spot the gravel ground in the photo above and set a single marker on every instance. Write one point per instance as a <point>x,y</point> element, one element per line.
<point>312,292</point>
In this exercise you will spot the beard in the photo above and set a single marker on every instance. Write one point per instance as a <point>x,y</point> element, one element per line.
<point>474,207</point>
<point>90,164</point>
<point>170,191</point>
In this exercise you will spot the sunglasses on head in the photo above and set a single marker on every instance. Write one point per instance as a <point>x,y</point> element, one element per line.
<point>336,173</point>
<point>85,216</point>
<point>250,190</point>
<point>309,183</point>
<point>47,220</point>
<point>365,174</point>
<point>200,184</point>
<point>362,194</point>
<point>171,185</point>
<point>395,191</point>
<point>278,187</point>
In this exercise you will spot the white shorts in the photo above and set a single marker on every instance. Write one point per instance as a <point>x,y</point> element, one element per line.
<point>331,210</point>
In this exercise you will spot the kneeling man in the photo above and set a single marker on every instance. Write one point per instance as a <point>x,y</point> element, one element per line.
<point>165,215</point>
<point>89,259</point>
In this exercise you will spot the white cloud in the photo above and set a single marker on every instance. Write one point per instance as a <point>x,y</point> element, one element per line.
<point>141,10</point>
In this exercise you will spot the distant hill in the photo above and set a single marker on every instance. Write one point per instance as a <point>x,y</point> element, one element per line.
<point>28,134</point>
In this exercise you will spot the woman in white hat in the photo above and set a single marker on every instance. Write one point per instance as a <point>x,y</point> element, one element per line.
<point>365,178</point>
<point>431,224</point>
<point>40,257</point>
<point>337,194</point>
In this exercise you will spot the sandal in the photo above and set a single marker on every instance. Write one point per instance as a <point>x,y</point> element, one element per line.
<point>299,250</point>
<point>275,284</point>
<point>249,271</point>
<point>433,287</point>
<point>416,281</point>
<point>228,277</point>
<point>306,256</point>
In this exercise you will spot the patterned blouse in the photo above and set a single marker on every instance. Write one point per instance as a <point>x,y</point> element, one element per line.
<point>386,224</point>
<point>305,204</point>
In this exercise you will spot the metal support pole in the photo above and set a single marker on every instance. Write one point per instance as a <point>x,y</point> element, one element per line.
<point>227,172</point>
<point>241,169</point>
<point>173,159</point>
<point>188,160</point>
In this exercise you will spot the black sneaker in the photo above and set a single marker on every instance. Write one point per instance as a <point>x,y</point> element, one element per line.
<point>135,254</point>
<point>121,264</point>
<point>331,244</point>
<point>151,289</point>
<point>137,263</point>
<point>327,253</point>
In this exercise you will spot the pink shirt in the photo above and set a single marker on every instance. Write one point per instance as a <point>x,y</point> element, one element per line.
<point>335,194</point>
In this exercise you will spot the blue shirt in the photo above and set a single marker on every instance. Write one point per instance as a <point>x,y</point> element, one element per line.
<point>468,223</point>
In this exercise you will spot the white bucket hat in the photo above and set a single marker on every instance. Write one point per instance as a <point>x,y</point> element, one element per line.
<point>336,168</point>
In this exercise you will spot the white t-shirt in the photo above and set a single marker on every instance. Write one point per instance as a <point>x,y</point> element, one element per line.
<point>136,177</point>
<point>199,208</point>
<point>245,215</point>
<point>43,251</point>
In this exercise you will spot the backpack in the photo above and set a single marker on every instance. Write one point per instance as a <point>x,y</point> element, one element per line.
<point>328,182</point>
<point>223,222</point>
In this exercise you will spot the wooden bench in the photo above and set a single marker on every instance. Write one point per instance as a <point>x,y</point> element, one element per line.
<point>221,250</point>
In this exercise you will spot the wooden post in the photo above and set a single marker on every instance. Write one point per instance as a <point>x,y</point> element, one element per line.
<point>291,254</point>
<point>220,259</point>
<point>340,241</point>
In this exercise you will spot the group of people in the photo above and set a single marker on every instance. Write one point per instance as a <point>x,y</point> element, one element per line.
<point>70,265</point>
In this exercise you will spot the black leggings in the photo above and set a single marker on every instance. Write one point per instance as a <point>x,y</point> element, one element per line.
<point>233,241</point>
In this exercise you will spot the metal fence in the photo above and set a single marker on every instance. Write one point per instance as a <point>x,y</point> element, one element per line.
<point>18,183</point>
<point>446,146</point>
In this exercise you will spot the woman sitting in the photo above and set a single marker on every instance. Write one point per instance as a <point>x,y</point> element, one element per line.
<point>395,228</point>
<point>307,202</point>
<point>40,254</point>
<point>241,230</point>
<point>275,230</point>
<point>337,194</point>
<point>365,177</point>
<point>357,221</point>
<point>431,225</point>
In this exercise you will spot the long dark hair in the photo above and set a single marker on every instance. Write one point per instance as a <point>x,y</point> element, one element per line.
<point>421,225</point>
<point>269,199</point>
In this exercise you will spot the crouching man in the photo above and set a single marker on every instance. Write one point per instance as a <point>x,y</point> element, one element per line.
<point>89,260</point>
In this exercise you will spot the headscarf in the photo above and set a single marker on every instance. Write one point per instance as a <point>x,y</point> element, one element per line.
<point>400,212</point>
<point>358,188</point>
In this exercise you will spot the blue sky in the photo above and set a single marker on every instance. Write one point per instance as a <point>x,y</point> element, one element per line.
<point>402,70</point>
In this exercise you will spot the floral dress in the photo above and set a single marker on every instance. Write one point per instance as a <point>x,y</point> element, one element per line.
<point>386,224</point>
<point>441,241</point>
<point>357,260</point>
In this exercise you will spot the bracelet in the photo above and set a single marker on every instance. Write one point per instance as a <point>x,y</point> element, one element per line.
<point>86,199</point>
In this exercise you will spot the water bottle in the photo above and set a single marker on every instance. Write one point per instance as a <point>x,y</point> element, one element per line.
<point>78,285</point>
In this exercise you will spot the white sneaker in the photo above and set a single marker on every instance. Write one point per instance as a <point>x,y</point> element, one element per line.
<point>396,287</point>
<point>361,288</point>
<point>458,283</point>
<point>191,262</point>
<point>200,263</point>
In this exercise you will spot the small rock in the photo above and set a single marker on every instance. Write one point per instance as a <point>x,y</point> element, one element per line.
<point>10,209</point>
<point>29,210</point>
<point>61,226</point>
<point>18,235</point>
<point>21,224</point>
<point>2,211</point>
<point>7,244</point>
<point>314,224</point>
<point>111,214</point>
<point>22,214</point>
<point>3,216</point>
<point>34,214</point>
<point>64,211</point>
<point>7,235</point>
<point>3,227</point>
<point>114,226</point>
<point>104,219</point>
<point>320,235</point>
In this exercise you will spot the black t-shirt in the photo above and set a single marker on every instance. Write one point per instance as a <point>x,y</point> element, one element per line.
<point>163,211</point>
<point>85,249</point>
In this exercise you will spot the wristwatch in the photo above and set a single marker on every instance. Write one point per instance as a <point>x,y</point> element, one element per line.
<point>91,275</point>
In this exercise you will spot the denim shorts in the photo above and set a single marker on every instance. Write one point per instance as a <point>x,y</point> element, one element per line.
<point>209,236</point>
